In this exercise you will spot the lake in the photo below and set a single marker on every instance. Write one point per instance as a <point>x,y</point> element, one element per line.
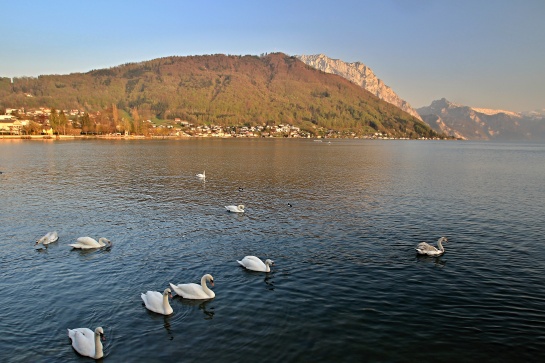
<point>347,285</point>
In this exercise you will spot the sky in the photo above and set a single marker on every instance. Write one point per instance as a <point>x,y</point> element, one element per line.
<point>479,53</point>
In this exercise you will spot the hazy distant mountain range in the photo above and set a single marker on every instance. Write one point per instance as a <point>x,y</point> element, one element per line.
<point>472,123</point>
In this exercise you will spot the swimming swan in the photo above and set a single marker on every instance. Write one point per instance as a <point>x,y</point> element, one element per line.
<point>235,208</point>
<point>425,249</point>
<point>202,176</point>
<point>195,291</point>
<point>50,237</point>
<point>157,302</point>
<point>86,243</point>
<point>255,264</point>
<point>86,342</point>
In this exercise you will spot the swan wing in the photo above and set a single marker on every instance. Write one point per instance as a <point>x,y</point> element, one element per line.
<point>425,249</point>
<point>423,246</point>
<point>234,209</point>
<point>190,291</point>
<point>253,258</point>
<point>83,341</point>
<point>85,243</point>
<point>253,263</point>
<point>52,236</point>
<point>153,301</point>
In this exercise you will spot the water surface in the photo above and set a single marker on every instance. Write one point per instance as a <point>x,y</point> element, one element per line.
<point>347,285</point>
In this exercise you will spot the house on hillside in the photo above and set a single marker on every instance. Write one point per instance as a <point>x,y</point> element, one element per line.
<point>10,125</point>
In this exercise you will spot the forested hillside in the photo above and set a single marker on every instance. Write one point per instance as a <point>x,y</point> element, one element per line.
<point>221,90</point>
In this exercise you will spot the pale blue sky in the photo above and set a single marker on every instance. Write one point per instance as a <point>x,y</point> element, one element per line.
<point>481,53</point>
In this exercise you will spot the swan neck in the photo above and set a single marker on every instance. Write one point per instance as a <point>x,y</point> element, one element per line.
<point>98,347</point>
<point>166,305</point>
<point>440,246</point>
<point>204,286</point>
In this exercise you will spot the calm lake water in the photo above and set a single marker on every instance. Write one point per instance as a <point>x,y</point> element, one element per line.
<point>347,285</point>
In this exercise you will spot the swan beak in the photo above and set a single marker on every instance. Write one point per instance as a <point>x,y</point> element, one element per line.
<point>212,282</point>
<point>103,337</point>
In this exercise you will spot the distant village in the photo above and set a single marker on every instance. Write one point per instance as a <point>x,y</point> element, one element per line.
<point>23,123</point>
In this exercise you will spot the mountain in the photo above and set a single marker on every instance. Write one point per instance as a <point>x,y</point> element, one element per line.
<point>361,75</point>
<point>473,123</point>
<point>222,90</point>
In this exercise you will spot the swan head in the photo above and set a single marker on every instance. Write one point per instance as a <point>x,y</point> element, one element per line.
<point>167,292</point>
<point>443,240</point>
<point>269,262</point>
<point>209,278</point>
<point>106,241</point>
<point>241,207</point>
<point>100,332</point>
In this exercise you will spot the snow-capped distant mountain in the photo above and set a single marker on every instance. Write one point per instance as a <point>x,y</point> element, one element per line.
<point>472,123</point>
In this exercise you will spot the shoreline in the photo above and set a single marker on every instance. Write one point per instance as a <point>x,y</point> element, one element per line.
<point>140,137</point>
<point>74,137</point>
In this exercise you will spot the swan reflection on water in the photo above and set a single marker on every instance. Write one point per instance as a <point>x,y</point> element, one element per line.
<point>268,279</point>
<point>92,252</point>
<point>167,326</point>
<point>269,282</point>
<point>202,304</point>
<point>437,261</point>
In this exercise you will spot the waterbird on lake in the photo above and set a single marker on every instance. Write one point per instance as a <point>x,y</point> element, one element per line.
<point>240,189</point>
<point>195,291</point>
<point>426,249</point>
<point>49,237</point>
<point>255,264</point>
<point>86,243</point>
<point>201,176</point>
<point>289,205</point>
<point>157,302</point>
<point>235,208</point>
<point>86,342</point>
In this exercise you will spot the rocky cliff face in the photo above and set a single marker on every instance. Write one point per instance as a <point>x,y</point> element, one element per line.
<point>471,123</point>
<point>361,75</point>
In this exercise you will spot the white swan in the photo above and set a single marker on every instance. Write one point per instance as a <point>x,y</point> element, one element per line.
<point>201,176</point>
<point>86,243</point>
<point>425,249</point>
<point>195,291</point>
<point>49,237</point>
<point>235,208</point>
<point>255,264</point>
<point>157,302</point>
<point>86,342</point>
